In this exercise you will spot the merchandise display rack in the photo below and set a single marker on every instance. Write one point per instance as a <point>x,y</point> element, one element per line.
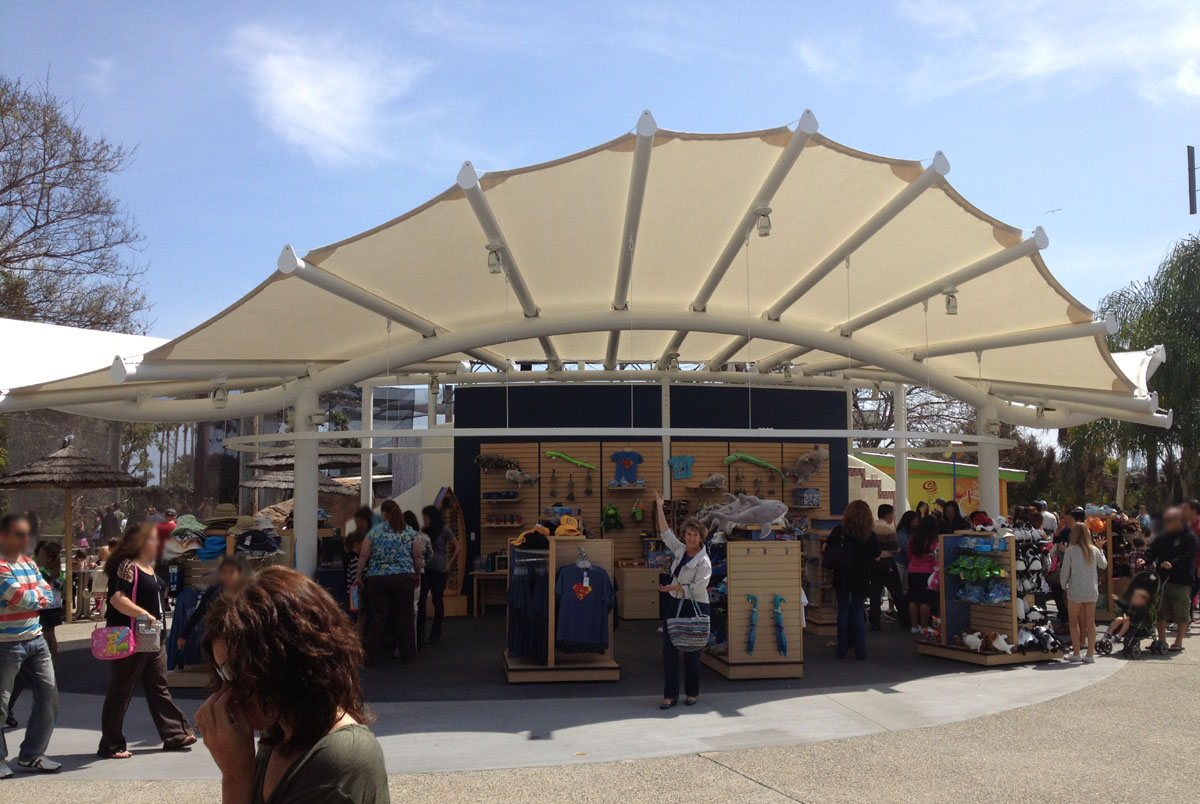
<point>564,550</point>
<point>960,616</point>
<point>821,614</point>
<point>764,569</point>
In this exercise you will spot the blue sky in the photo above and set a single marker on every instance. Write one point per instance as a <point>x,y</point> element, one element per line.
<point>259,124</point>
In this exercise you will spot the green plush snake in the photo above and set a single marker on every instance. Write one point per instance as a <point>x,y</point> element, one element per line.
<point>569,459</point>
<point>741,456</point>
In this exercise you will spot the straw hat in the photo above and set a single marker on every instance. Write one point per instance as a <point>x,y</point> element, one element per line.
<point>244,523</point>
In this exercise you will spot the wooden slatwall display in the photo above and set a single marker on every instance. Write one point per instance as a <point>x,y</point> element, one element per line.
<point>495,538</point>
<point>819,481</point>
<point>959,616</point>
<point>762,483</point>
<point>570,666</point>
<point>563,471</point>
<point>818,583</point>
<point>710,457</point>
<point>627,543</point>
<point>763,569</point>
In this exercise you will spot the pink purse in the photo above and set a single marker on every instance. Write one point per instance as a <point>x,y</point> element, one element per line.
<point>118,641</point>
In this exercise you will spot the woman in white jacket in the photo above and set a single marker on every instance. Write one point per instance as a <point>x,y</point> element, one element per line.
<point>690,572</point>
<point>1080,576</point>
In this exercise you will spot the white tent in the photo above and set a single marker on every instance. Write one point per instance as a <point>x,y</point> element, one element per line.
<point>777,257</point>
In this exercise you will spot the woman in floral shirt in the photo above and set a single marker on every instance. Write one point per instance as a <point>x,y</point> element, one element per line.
<point>390,558</point>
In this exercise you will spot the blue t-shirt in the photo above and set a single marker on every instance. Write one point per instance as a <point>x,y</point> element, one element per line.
<point>681,467</point>
<point>585,597</point>
<point>627,464</point>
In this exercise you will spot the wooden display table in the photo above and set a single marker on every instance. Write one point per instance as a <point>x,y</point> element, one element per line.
<point>637,593</point>
<point>763,569</point>
<point>821,614</point>
<point>481,580</point>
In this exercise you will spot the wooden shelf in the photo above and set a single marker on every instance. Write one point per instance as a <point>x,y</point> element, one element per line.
<point>507,500</point>
<point>627,488</point>
<point>743,670</point>
<point>964,654</point>
<point>504,527</point>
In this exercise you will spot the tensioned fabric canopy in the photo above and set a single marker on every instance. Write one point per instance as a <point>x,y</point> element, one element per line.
<point>645,254</point>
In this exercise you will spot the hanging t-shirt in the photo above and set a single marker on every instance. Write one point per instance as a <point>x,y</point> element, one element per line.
<point>681,466</point>
<point>627,464</point>
<point>585,597</point>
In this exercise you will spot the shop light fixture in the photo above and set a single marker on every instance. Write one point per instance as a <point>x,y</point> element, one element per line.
<point>764,221</point>
<point>495,262</point>
<point>220,397</point>
<point>951,295</point>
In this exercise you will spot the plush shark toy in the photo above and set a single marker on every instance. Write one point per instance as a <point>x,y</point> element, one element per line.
<point>745,510</point>
<point>1000,643</point>
<point>713,481</point>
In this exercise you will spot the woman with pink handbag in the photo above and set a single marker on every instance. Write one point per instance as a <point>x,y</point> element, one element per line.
<point>135,603</point>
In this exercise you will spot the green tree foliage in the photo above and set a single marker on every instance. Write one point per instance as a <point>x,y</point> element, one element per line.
<point>135,448</point>
<point>1163,309</point>
<point>65,241</point>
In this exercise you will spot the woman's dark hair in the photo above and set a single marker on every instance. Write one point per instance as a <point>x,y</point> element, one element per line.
<point>957,515</point>
<point>293,652</point>
<point>907,520</point>
<point>434,529</point>
<point>857,521</point>
<point>128,547</point>
<point>923,538</point>
<point>53,551</point>
<point>233,561</point>
<point>366,515</point>
<point>410,521</point>
<point>920,505</point>
<point>392,515</point>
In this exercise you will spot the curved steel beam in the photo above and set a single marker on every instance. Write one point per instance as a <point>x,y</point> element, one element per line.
<point>354,371</point>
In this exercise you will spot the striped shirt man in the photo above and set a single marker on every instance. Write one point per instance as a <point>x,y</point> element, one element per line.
<point>23,594</point>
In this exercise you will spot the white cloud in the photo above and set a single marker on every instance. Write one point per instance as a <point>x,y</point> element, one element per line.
<point>1148,45</point>
<point>815,59</point>
<point>333,99</point>
<point>100,78</point>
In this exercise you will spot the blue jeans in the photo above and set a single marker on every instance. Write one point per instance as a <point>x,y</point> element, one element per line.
<point>850,624</point>
<point>31,659</point>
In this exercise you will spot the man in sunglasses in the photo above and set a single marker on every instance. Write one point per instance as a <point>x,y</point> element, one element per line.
<point>23,650</point>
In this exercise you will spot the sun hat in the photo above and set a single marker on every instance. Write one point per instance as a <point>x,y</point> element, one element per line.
<point>189,523</point>
<point>244,523</point>
<point>568,526</point>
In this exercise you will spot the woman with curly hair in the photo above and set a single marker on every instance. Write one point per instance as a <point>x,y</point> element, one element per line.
<point>850,551</point>
<point>285,659</point>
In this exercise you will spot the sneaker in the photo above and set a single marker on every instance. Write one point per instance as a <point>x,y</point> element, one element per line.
<point>1089,659</point>
<point>1073,657</point>
<point>6,772</point>
<point>914,630</point>
<point>40,764</point>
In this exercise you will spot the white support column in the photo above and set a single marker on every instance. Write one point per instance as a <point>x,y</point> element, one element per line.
<point>304,515</point>
<point>989,461</point>
<point>1122,474</point>
<point>900,416</point>
<point>666,439</point>
<point>366,490</point>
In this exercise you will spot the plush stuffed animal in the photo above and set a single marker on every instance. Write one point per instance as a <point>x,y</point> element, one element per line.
<point>490,460</point>
<point>808,464</point>
<point>713,481</point>
<point>519,477</point>
<point>1000,643</point>
<point>973,641</point>
<point>744,510</point>
<point>1046,639</point>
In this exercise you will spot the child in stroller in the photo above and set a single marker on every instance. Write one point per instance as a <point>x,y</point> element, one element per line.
<point>1139,607</point>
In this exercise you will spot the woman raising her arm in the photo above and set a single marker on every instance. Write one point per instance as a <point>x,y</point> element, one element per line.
<point>691,570</point>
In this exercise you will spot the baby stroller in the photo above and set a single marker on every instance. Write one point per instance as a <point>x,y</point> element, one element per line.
<point>1141,624</point>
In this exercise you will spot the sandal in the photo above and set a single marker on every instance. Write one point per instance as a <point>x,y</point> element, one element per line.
<point>690,702</point>
<point>1176,649</point>
<point>116,755</point>
<point>668,704</point>
<point>183,745</point>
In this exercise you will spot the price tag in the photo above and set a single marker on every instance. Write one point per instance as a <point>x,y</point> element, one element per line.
<point>586,582</point>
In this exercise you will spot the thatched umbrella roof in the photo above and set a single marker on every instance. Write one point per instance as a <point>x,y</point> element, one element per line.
<point>286,481</point>
<point>68,468</point>
<point>285,463</point>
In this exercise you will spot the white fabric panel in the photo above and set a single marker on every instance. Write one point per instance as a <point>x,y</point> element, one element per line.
<point>49,352</point>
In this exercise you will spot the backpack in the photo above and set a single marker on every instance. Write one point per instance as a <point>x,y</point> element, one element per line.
<point>837,552</point>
